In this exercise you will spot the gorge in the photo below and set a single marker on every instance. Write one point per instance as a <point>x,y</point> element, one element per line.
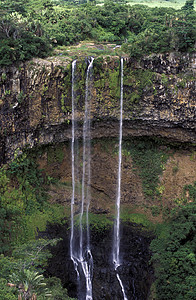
<point>158,134</point>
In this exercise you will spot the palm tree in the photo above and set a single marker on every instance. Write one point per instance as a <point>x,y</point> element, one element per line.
<point>30,284</point>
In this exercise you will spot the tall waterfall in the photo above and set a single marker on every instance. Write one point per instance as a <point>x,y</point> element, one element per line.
<point>80,251</point>
<point>72,252</point>
<point>85,252</point>
<point>116,240</point>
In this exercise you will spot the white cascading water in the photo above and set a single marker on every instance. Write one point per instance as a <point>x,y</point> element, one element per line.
<point>82,259</point>
<point>86,259</point>
<point>116,241</point>
<point>72,254</point>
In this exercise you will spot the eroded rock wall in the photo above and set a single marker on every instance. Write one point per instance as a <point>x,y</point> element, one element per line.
<point>152,174</point>
<point>35,100</point>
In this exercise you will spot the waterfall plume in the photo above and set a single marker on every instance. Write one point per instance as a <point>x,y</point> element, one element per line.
<point>116,239</point>
<point>80,250</point>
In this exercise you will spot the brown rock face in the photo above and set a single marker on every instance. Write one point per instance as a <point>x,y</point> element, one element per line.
<point>35,100</point>
<point>104,168</point>
<point>178,171</point>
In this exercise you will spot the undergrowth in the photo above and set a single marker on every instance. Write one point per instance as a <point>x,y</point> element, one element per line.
<point>174,256</point>
<point>98,222</point>
<point>138,218</point>
<point>149,159</point>
<point>24,206</point>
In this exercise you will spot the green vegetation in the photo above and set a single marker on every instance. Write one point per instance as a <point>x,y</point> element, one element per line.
<point>21,274</point>
<point>149,159</point>
<point>30,283</point>
<point>55,154</point>
<point>33,28</point>
<point>137,218</point>
<point>176,4</point>
<point>20,197</point>
<point>24,211</point>
<point>56,289</point>
<point>137,83</point>
<point>191,189</point>
<point>100,222</point>
<point>97,222</point>
<point>174,250</point>
<point>174,256</point>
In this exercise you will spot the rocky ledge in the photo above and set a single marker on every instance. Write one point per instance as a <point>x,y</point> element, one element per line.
<point>35,100</point>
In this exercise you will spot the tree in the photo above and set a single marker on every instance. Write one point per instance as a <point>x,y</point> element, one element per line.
<point>29,284</point>
<point>34,253</point>
<point>23,271</point>
<point>185,31</point>
<point>6,292</point>
<point>174,257</point>
<point>189,5</point>
<point>15,5</point>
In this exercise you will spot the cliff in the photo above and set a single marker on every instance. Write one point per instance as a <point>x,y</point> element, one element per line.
<point>35,100</point>
<point>159,102</point>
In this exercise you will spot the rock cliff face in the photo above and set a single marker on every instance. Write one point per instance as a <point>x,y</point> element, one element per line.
<point>159,102</point>
<point>151,174</point>
<point>35,100</point>
<point>136,271</point>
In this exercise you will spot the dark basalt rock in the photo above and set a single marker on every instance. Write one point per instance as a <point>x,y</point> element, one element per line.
<point>159,100</point>
<point>136,273</point>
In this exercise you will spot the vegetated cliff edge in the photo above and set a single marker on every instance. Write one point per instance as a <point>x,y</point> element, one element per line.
<point>35,100</point>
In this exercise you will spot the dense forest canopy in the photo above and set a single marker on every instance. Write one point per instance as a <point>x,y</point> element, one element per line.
<point>33,28</point>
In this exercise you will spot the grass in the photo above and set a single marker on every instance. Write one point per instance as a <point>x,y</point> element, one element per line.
<point>152,4</point>
<point>38,221</point>
<point>175,4</point>
<point>89,48</point>
<point>137,218</point>
<point>96,221</point>
<point>101,222</point>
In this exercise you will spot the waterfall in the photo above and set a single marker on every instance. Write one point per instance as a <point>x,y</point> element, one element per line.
<point>85,252</point>
<point>72,254</point>
<point>82,257</point>
<point>116,240</point>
